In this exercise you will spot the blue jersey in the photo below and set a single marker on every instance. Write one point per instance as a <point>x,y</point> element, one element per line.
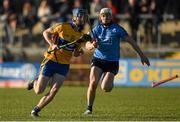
<point>108,40</point>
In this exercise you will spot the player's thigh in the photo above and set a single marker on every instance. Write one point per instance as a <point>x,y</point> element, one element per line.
<point>57,81</point>
<point>107,81</point>
<point>95,74</point>
<point>42,82</point>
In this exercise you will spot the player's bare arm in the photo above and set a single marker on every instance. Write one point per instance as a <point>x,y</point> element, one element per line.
<point>49,37</point>
<point>144,59</point>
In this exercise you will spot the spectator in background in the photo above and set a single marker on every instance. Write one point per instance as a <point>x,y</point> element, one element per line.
<point>44,13</point>
<point>95,7</point>
<point>29,15</point>
<point>11,27</point>
<point>132,12</point>
<point>171,7</point>
<point>12,21</point>
<point>148,7</point>
<point>77,4</point>
<point>63,11</point>
<point>120,4</point>
<point>7,55</point>
<point>6,10</point>
<point>160,10</point>
<point>6,16</point>
<point>109,4</point>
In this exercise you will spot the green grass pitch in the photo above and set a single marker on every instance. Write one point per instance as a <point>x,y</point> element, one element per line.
<point>122,104</point>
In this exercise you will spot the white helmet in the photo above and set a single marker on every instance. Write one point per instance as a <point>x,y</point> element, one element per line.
<point>106,11</point>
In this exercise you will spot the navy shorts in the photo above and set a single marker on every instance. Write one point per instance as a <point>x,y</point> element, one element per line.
<point>106,66</point>
<point>49,68</point>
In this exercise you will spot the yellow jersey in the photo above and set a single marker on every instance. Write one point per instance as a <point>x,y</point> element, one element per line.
<point>66,34</point>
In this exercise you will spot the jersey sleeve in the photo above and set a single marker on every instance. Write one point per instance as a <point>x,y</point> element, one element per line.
<point>123,32</point>
<point>56,28</point>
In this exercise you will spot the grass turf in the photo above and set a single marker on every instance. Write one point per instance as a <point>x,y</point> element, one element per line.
<point>122,104</point>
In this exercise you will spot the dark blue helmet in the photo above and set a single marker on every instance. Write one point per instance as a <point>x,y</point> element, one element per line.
<point>79,12</point>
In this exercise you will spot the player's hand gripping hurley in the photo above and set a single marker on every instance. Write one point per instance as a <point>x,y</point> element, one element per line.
<point>83,38</point>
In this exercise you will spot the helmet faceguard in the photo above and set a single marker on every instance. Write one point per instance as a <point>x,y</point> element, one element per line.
<point>105,16</point>
<point>79,16</point>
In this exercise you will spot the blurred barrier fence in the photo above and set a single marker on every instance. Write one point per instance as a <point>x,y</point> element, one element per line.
<point>17,74</point>
<point>131,73</point>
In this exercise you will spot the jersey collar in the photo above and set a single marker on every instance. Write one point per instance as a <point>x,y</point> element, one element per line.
<point>76,28</point>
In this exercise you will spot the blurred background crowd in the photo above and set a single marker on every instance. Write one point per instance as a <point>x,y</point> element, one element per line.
<point>152,23</point>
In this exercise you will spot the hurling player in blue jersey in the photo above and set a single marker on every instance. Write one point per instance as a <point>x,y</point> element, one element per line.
<point>105,62</point>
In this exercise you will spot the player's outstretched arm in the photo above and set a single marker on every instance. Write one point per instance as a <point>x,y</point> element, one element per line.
<point>144,59</point>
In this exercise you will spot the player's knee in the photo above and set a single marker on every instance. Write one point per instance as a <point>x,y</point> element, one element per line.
<point>38,91</point>
<point>106,89</point>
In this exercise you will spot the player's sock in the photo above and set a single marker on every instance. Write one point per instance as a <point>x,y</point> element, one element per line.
<point>35,111</point>
<point>88,111</point>
<point>89,107</point>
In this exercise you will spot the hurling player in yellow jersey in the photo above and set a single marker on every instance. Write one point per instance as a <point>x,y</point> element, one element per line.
<point>55,66</point>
